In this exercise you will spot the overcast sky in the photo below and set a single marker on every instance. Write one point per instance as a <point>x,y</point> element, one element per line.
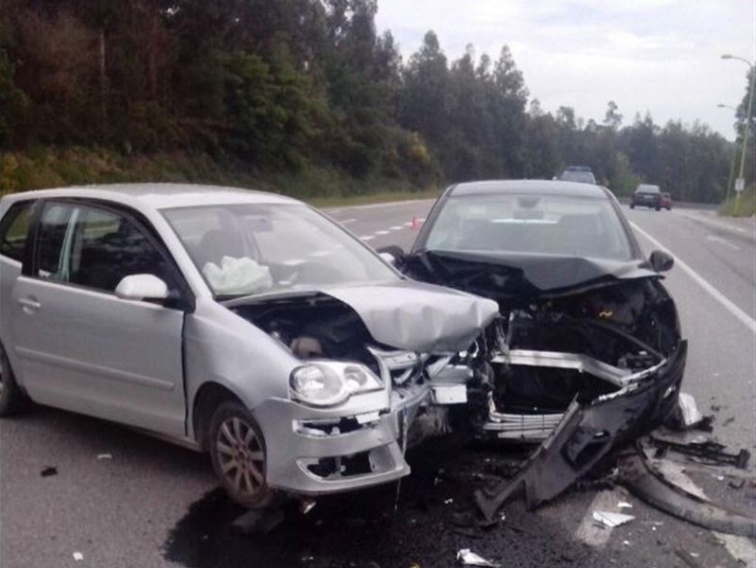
<point>657,55</point>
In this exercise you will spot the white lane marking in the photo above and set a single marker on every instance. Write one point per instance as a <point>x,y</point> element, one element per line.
<point>367,238</point>
<point>592,533</point>
<point>408,223</point>
<point>744,318</point>
<point>725,226</point>
<point>722,241</point>
<point>379,205</point>
<point>382,232</point>
<point>397,228</point>
<point>347,221</point>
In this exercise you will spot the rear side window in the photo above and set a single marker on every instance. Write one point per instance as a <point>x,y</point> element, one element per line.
<point>14,230</point>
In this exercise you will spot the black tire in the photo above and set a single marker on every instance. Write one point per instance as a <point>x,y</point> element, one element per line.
<point>237,450</point>
<point>12,399</point>
<point>632,206</point>
<point>658,208</point>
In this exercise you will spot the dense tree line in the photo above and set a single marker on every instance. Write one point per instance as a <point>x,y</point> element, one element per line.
<point>288,83</point>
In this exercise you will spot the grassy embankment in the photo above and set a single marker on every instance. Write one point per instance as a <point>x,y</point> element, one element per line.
<point>745,208</point>
<point>46,167</point>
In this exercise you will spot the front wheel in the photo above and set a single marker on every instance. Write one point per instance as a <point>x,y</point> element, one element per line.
<point>632,206</point>
<point>12,399</point>
<point>237,450</point>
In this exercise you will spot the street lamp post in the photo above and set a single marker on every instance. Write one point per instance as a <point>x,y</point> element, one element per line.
<point>733,160</point>
<point>747,121</point>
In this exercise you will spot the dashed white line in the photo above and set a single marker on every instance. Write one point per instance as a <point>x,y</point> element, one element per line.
<point>744,318</point>
<point>367,238</point>
<point>722,241</point>
<point>382,232</point>
<point>347,221</point>
<point>397,228</point>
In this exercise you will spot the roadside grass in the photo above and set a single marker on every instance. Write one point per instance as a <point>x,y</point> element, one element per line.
<point>746,208</point>
<point>48,167</point>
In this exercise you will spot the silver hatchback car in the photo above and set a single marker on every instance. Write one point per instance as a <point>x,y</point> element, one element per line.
<point>240,323</point>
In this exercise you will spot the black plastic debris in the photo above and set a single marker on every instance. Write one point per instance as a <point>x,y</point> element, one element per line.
<point>649,484</point>
<point>706,451</point>
<point>48,471</point>
<point>259,521</point>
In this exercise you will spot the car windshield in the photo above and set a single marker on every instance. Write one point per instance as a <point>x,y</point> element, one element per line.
<point>246,249</point>
<point>578,176</point>
<point>530,224</point>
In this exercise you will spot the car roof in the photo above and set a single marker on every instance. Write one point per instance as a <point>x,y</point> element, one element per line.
<point>535,186</point>
<point>157,195</point>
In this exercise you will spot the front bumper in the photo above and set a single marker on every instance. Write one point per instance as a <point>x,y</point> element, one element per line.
<point>588,432</point>
<point>320,451</point>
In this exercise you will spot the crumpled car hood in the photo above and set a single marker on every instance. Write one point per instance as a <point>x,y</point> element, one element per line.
<point>405,314</point>
<point>518,275</point>
<point>419,317</point>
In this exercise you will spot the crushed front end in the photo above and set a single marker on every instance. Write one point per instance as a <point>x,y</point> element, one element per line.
<point>578,365</point>
<point>359,440</point>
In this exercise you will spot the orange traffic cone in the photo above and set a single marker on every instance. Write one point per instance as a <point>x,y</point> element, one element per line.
<point>413,225</point>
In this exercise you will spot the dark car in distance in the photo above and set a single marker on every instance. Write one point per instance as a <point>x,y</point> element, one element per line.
<point>647,195</point>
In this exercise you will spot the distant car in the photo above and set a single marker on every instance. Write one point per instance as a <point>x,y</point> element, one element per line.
<point>666,201</point>
<point>578,174</point>
<point>240,323</point>
<point>647,195</point>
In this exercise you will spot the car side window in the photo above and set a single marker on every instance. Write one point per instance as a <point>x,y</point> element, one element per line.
<point>14,230</point>
<point>97,248</point>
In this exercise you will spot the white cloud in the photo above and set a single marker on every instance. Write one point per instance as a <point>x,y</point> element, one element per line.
<point>660,56</point>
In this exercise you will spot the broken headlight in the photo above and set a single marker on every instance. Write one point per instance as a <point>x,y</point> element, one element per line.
<point>329,383</point>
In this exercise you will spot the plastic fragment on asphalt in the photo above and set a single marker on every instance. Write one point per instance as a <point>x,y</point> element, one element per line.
<point>49,471</point>
<point>78,556</point>
<point>260,521</point>
<point>104,456</point>
<point>469,558</point>
<point>611,520</point>
<point>307,506</point>
<point>689,410</point>
<point>624,505</point>
<point>448,501</point>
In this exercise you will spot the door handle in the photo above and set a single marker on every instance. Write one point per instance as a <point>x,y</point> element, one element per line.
<point>29,305</point>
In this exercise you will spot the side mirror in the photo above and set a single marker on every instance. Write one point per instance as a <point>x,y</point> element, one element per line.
<point>393,254</point>
<point>142,287</point>
<point>661,261</point>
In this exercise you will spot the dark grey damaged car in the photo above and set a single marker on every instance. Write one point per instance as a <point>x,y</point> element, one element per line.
<point>586,352</point>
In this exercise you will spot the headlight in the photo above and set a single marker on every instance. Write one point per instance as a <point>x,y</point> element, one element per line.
<point>329,383</point>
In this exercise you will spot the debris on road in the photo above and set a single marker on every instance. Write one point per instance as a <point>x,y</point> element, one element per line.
<point>469,558</point>
<point>640,476</point>
<point>624,505</point>
<point>104,456</point>
<point>688,558</point>
<point>78,556</point>
<point>687,413</point>
<point>48,471</point>
<point>259,521</point>
<point>706,451</point>
<point>611,520</point>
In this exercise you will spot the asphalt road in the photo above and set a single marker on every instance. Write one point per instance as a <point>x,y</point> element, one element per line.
<point>120,499</point>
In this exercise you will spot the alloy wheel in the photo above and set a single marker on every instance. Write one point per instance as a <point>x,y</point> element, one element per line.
<point>241,456</point>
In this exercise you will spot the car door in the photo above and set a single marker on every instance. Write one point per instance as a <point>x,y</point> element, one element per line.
<point>81,347</point>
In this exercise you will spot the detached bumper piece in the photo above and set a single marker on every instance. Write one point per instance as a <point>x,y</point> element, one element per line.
<point>587,434</point>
